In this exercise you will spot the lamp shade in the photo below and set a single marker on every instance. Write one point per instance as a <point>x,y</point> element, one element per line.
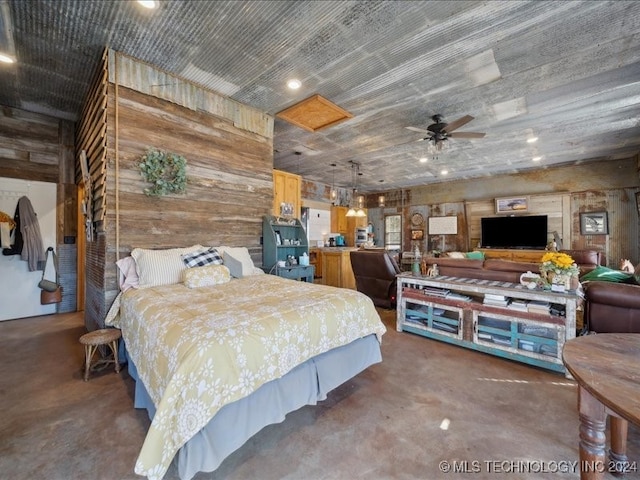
<point>381,200</point>
<point>351,212</point>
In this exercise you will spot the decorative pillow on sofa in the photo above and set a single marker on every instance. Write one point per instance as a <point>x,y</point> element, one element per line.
<point>475,255</point>
<point>161,267</point>
<point>456,255</point>
<point>604,274</point>
<point>206,276</point>
<point>202,258</point>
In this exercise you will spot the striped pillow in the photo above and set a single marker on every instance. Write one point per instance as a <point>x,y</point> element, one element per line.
<point>161,267</point>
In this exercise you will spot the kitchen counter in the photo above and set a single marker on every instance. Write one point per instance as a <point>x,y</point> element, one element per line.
<point>336,267</point>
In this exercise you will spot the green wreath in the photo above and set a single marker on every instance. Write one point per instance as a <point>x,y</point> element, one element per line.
<point>167,172</point>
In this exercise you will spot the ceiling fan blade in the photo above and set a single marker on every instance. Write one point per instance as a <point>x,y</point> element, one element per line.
<point>457,124</point>
<point>420,130</point>
<point>466,135</point>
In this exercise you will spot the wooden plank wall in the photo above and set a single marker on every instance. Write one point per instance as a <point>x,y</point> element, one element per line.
<point>229,185</point>
<point>597,186</point>
<point>37,147</point>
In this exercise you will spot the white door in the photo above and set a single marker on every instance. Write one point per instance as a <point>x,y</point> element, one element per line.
<point>19,292</point>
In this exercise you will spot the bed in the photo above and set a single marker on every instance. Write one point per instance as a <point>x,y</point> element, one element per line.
<point>216,361</point>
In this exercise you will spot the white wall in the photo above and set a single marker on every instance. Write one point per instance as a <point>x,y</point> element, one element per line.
<point>19,292</point>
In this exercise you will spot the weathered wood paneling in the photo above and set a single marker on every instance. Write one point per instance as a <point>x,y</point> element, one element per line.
<point>30,145</point>
<point>150,80</point>
<point>229,174</point>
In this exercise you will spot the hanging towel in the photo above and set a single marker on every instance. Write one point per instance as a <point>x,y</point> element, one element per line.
<point>32,251</point>
<point>5,235</point>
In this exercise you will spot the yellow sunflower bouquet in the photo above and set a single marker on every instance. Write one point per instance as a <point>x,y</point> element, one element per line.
<point>558,263</point>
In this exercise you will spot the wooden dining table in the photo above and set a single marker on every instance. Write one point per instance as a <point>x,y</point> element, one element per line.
<point>607,369</point>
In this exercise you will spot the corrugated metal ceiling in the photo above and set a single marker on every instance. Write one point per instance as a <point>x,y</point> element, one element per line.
<point>566,72</point>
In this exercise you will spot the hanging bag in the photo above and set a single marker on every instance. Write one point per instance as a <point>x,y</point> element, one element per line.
<point>51,292</point>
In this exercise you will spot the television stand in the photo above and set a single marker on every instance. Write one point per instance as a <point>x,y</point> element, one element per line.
<point>513,254</point>
<point>531,326</point>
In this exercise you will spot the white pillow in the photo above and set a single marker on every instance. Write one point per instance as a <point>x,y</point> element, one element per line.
<point>239,262</point>
<point>206,276</point>
<point>161,267</point>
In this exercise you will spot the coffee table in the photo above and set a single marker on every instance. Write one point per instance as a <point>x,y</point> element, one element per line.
<point>607,369</point>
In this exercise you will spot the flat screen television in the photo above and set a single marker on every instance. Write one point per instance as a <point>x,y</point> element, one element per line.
<point>514,232</point>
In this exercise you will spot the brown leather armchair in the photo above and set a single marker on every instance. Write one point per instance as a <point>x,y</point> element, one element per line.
<point>612,307</point>
<point>375,273</point>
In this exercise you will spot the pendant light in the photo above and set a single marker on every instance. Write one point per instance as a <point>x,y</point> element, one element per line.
<point>352,211</point>
<point>381,200</point>
<point>359,199</point>
<point>334,193</point>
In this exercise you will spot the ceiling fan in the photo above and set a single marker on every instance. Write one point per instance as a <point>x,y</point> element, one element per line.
<point>439,131</point>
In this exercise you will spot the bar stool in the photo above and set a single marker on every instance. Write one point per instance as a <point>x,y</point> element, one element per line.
<point>91,341</point>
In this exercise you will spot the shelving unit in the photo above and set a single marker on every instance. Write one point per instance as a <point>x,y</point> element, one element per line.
<point>282,238</point>
<point>453,310</point>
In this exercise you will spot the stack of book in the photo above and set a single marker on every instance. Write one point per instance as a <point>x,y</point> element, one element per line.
<point>519,304</point>
<point>538,306</point>
<point>436,292</point>
<point>497,300</point>
<point>458,296</point>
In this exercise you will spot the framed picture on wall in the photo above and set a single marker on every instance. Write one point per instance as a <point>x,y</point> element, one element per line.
<point>512,204</point>
<point>594,223</point>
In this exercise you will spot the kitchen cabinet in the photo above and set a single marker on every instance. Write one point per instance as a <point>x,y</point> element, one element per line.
<point>286,189</point>
<point>336,268</point>
<point>315,259</point>
<point>339,219</point>
<point>344,225</point>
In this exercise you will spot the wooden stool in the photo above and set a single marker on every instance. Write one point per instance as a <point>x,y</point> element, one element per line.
<point>91,341</point>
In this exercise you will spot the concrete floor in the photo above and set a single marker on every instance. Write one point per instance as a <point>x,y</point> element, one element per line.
<point>383,424</point>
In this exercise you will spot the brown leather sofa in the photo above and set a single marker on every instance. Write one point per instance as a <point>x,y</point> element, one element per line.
<point>612,307</point>
<point>375,273</point>
<point>506,270</point>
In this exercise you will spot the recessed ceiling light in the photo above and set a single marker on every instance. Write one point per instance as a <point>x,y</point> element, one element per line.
<point>4,58</point>
<point>424,160</point>
<point>532,139</point>
<point>294,84</point>
<point>536,159</point>
<point>444,172</point>
<point>148,3</point>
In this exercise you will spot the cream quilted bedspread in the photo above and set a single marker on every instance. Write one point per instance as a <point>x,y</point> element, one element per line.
<point>199,349</point>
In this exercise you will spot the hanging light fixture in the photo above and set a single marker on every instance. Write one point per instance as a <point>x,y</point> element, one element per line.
<point>334,192</point>
<point>381,200</point>
<point>354,182</point>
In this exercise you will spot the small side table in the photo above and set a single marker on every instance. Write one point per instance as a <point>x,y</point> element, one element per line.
<point>296,272</point>
<point>91,341</point>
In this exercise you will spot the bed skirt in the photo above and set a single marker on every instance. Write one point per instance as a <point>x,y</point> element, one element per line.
<point>235,423</point>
